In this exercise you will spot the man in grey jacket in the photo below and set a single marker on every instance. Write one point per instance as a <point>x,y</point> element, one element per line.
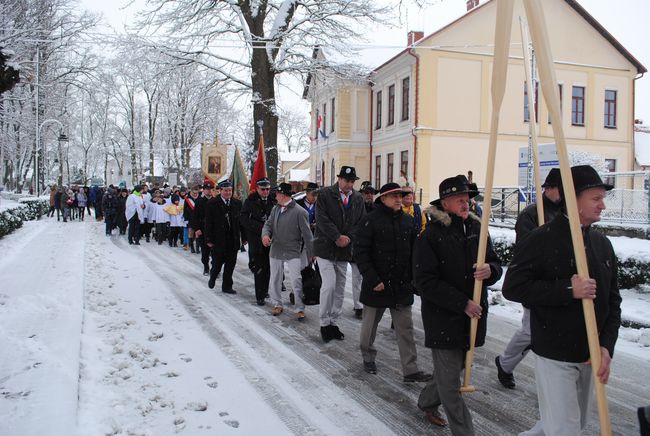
<point>288,234</point>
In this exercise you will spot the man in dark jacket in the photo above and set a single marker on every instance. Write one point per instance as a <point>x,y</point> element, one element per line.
<point>338,210</point>
<point>445,270</point>
<point>527,221</point>
<point>308,202</point>
<point>368,193</point>
<point>223,235</point>
<point>254,213</point>
<point>542,276</point>
<point>198,222</point>
<point>382,250</point>
<point>109,209</point>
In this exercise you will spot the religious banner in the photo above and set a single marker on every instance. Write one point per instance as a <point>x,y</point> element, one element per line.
<point>213,159</point>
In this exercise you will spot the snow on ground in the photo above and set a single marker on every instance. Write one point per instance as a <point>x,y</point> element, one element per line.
<point>104,338</point>
<point>6,203</point>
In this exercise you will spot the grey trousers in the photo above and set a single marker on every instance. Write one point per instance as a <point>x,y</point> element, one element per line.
<point>295,266</point>
<point>403,323</point>
<point>518,346</point>
<point>445,389</point>
<point>334,274</point>
<point>564,396</point>
<point>356,286</point>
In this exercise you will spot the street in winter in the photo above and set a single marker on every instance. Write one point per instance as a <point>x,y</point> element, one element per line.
<point>324,217</point>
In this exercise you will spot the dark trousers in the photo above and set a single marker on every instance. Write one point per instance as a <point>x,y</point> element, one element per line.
<point>109,223</point>
<point>82,212</point>
<point>261,269</point>
<point>173,236</point>
<point>205,252</point>
<point>51,211</point>
<point>226,258</point>
<point>145,229</point>
<point>134,229</point>
<point>59,212</point>
<point>160,232</point>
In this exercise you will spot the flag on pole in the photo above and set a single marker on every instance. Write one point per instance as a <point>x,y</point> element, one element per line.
<point>259,171</point>
<point>238,177</point>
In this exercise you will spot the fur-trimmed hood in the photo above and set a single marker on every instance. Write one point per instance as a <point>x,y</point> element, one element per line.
<point>435,214</point>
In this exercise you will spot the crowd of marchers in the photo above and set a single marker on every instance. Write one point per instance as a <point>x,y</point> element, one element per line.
<point>396,250</point>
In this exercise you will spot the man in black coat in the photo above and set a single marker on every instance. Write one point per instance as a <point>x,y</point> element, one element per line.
<point>527,221</point>
<point>254,213</point>
<point>542,275</point>
<point>444,271</point>
<point>368,193</point>
<point>223,235</point>
<point>198,222</point>
<point>338,210</point>
<point>382,250</point>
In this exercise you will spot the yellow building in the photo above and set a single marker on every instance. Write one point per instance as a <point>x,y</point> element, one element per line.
<point>424,114</point>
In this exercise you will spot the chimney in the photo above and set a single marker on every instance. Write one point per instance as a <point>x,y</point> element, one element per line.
<point>413,36</point>
<point>471,4</point>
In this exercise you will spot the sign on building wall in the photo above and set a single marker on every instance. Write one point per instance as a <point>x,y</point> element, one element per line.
<point>547,159</point>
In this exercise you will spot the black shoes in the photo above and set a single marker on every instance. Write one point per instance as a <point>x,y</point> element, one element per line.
<point>417,377</point>
<point>336,333</point>
<point>370,367</point>
<point>260,301</point>
<point>211,282</point>
<point>358,313</point>
<point>228,291</point>
<point>206,271</point>
<point>507,379</point>
<point>326,334</point>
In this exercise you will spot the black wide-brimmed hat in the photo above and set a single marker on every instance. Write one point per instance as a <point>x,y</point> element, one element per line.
<point>392,188</point>
<point>586,177</point>
<point>284,188</point>
<point>454,186</point>
<point>553,179</point>
<point>311,187</point>
<point>348,173</point>
<point>366,186</point>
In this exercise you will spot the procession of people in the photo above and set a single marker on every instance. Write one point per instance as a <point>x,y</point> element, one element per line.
<point>393,250</point>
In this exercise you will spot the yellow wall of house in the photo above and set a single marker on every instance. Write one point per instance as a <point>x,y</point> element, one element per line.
<point>343,113</point>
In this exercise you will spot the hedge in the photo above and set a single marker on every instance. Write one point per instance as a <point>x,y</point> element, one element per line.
<point>632,273</point>
<point>12,219</point>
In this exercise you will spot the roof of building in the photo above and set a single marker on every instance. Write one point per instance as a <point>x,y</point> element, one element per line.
<point>642,145</point>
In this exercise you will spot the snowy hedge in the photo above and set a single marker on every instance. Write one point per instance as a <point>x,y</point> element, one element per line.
<point>632,271</point>
<point>12,219</point>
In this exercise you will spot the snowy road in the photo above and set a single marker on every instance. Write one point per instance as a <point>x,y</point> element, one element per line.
<point>157,352</point>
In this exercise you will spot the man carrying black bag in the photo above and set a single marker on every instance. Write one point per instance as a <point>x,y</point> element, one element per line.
<point>311,283</point>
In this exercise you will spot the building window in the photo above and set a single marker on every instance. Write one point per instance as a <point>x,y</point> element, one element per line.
<point>578,106</point>
<point>391,105</point>
<point>404,164</point>
<point>389,167</point>
<point>406,83</point>
<point>377,172</point>
<point>324,126</point>
<point>332,116</point>
<point>610,165</point>
<point>559,88</point>
<point>610,109</point>
<point>526,105</point>
<point>332,172</point>
<point>378,115</point>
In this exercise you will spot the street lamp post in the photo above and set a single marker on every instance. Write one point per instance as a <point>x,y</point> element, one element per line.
<point>62,138</point>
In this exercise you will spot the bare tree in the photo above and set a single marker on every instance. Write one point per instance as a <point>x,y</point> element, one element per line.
<point>293,129</point>
<point>277,35</point>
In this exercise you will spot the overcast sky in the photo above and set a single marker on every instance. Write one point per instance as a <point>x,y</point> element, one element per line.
<point>626,20</point>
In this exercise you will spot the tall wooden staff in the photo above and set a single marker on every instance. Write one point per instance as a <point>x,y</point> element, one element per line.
<point>539,34</point>
<point>532,122</point>
<point>499,74</point>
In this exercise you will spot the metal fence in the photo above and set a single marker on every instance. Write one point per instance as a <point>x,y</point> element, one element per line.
<point>628,202</point>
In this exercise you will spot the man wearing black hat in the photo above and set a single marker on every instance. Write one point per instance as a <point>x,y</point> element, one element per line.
<point>382,249</point>
<point>519,344</point>
<point>255,211</point>
<point>444,271</point>
<point>542,275</point>
<point>198,224</point>
<point>308,202</point>
<point>289,237</point>
<point>223,235</point>
<point>368,193</point>
<point>338,210</point>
